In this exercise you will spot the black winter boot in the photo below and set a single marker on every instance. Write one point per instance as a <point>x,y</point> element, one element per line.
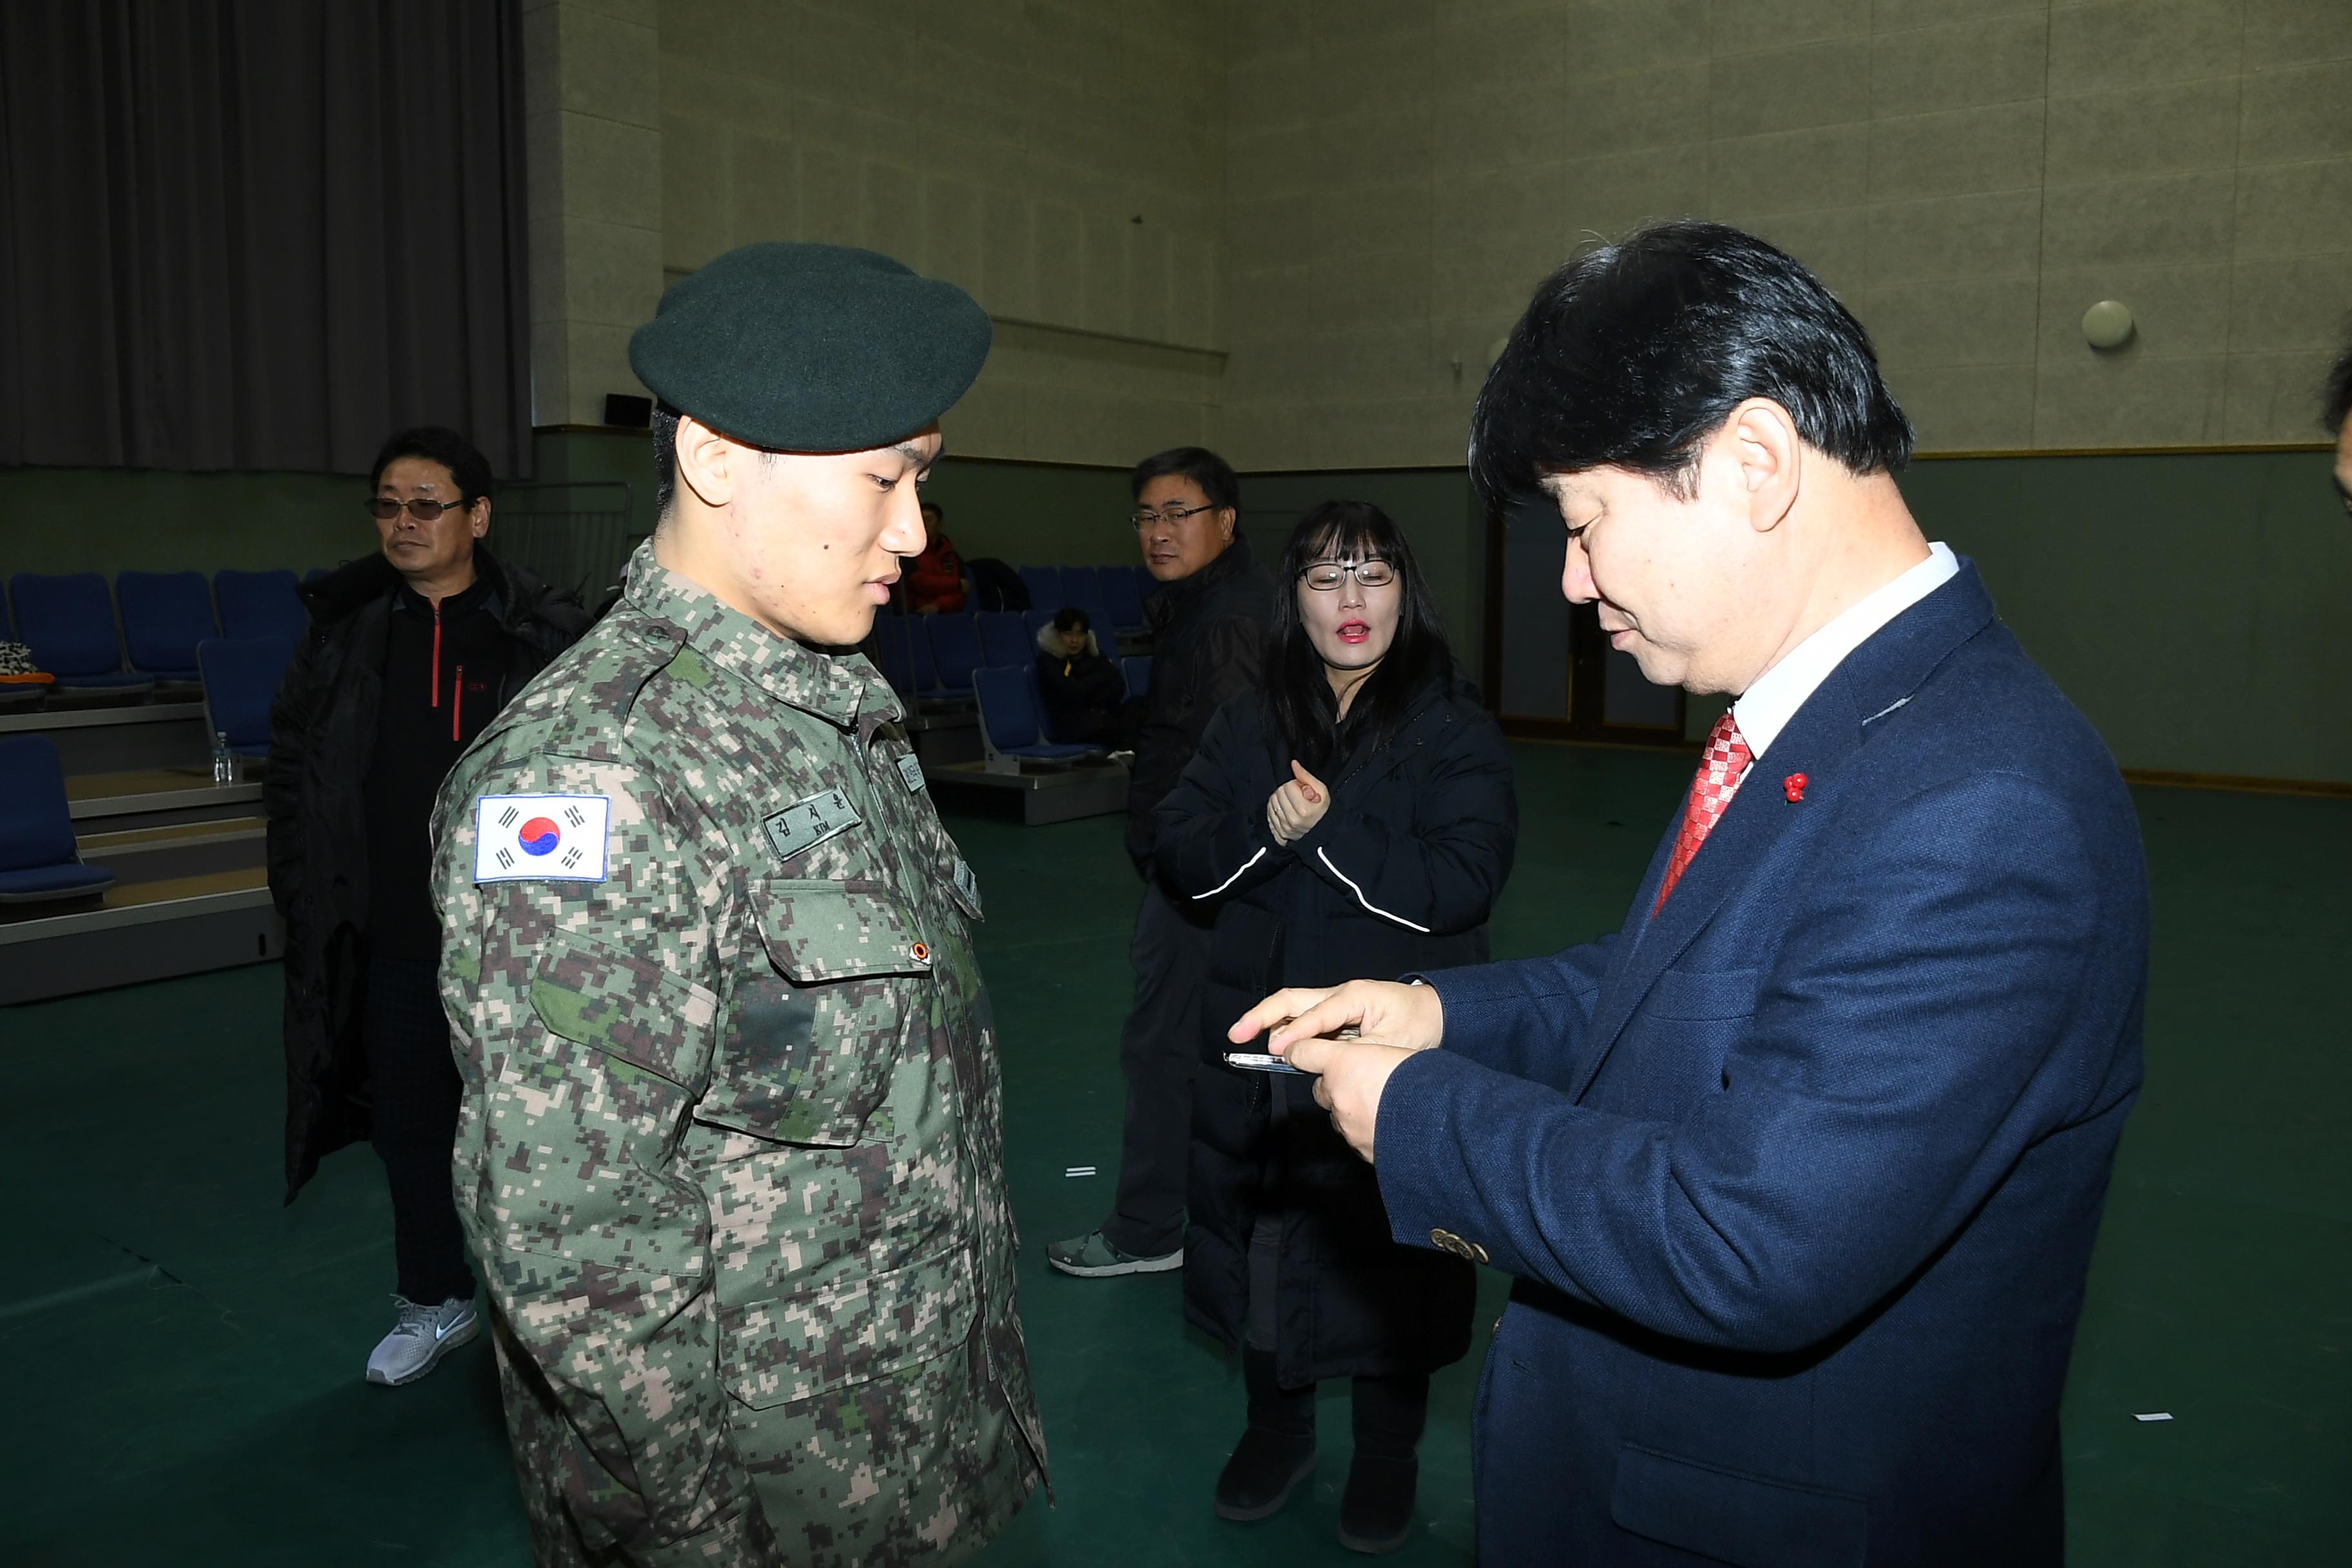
<point>1278,1448</point>
<point>1376,1510</point>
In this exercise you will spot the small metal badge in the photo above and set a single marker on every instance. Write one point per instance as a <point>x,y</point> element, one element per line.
<point>805,823</point>
<point>912,771</point>
<point>967,886</point>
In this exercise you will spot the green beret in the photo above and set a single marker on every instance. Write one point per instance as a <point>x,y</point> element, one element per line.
<point>812,348</point>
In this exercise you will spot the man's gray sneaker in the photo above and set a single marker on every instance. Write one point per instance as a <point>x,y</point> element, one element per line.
<point>420,1337</point>
<point>1089,1256</point>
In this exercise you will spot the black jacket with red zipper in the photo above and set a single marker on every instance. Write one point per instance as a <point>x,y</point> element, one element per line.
<point>384,693</point>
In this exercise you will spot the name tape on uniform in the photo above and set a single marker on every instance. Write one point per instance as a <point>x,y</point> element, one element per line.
<point>805,823</point>
<point>967,884</point>
<point>541,837</point>
<point>912,771</point>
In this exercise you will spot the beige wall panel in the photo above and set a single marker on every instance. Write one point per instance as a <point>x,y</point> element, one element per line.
<point>2161,218</point>
<point>1608,195</point>
<point>1789,90</point>
<point>1952,321</point>
<point>1486,130</point>
<point>2167,128</point>
<point>698,190</point>
<point>611,170</point>
<point>597,357</point>
<point>1896,15</point>
<point>1266,434</point>
<point>1988,59</point>
<point>1954,237</point>
<point>2274,397</point>
<point>1371,220</point>
<point>1967,408</point>
<point>2292,115</point>
<point>1608,37</point>
<point>893,224</point>
<point>613,272</point>
<point>1516,57</point>
<point>2175,310</point>
<point>2289,303</point>
<point>2297,32</point>
<point>1267,27</point>
<point>1742,27</point>
<point>954,239</point>
<point>1367,291</point>
<point>2294,209</point>
<point>1664,108</point>
<point>763,197</point>
<point>832,197</point>
<point>1392,433</point>
<point>1957,152</point>
<point>603,61</point>
<point>2127,398</point>
<point>2124,43</point>
<point>1790,171</point>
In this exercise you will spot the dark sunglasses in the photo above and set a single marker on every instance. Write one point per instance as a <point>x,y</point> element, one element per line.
<point>423,508</point>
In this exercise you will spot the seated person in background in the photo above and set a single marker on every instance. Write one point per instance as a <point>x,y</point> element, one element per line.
<point>935,578</point>
<point>1085,695</point>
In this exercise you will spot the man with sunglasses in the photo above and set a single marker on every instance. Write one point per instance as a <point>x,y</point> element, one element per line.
<point>1209,620</point>
<point>409,653</point>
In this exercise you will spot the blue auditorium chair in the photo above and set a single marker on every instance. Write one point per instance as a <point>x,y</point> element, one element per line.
<point>1004,641</point>
<point>164,615</point>
<point>1116,587</point>
<point>1045,584</point>
<point>69,623</point>
<point>1034,621</point>
<point>241,675</point>
<point>1136,668</point>
<point>955,652</point>
<point>39,862</point>
<point>260,604</point>
<point>1008,717</point>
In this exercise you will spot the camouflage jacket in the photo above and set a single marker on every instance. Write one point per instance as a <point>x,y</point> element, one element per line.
<point>732,1129</point>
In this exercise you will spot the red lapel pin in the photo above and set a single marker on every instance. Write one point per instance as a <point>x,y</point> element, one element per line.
<point>1793,786</point>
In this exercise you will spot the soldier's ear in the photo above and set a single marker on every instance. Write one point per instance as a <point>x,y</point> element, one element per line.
<point>709,463</point>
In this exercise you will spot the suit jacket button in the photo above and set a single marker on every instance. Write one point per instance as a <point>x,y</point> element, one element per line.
<point>1474,1252</point>
<point>1446,1241</point>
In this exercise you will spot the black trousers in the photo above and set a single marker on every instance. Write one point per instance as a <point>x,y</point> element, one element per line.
<point>1158,1050</point>
<point>415,1087</point>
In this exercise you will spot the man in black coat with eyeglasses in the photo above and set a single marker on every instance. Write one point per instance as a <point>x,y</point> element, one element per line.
<point>408,654</point>
<point>1209,620</point>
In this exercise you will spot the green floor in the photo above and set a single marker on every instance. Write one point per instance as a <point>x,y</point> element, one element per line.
<point>186,1377</point>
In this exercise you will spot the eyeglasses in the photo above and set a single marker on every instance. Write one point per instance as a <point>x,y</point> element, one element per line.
<point>423,508</point>
<point>1171,516</point>
<point>1325,577</point>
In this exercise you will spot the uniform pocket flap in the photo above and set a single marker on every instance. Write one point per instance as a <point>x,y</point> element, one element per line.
<point>815,932</point>
<point>1735,1516</point>
<point>846,1333</point>
<point>1697,993</point>
<point>624,1003</point>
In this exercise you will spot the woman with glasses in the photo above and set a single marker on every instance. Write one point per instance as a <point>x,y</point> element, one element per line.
<point>409,652</point>
<point>1352,817</point>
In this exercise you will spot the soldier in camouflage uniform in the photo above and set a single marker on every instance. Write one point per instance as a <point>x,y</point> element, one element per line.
<point>731,1151</point>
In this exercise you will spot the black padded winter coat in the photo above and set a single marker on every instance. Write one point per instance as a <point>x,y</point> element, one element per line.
<point>322,732</point>
<point>1207,639</point>
<point>1399,875</point>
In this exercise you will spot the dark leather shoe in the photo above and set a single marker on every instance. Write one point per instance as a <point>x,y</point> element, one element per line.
<point>1376,1511</point>
<point>1265,1469</point>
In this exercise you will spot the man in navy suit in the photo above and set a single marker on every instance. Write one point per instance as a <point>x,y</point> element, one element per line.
<point>1798,1172</point>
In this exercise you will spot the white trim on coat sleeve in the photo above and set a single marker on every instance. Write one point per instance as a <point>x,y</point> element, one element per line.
<point>1236,877</point>
<point>1367,903</point>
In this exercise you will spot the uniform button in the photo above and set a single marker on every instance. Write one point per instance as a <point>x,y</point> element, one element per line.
<point>920,954</point>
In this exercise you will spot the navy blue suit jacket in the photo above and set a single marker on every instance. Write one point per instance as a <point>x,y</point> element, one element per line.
<point>1799,1180</point>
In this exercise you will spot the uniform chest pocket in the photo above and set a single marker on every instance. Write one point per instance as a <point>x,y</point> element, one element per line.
<point>830,998</point>
<point>626,1003</point>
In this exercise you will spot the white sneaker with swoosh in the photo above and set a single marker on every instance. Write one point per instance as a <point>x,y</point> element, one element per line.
<point>420,1337</point>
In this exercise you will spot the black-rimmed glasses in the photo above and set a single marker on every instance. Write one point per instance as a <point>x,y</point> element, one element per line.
<point>1325,577</point>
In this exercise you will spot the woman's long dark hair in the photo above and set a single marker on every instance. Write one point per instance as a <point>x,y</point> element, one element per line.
<point>1298,687</point>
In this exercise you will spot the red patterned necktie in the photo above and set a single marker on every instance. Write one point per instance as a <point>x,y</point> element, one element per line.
<point>1719,770</point>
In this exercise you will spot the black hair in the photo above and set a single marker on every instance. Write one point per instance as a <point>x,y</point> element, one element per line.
<point>466,466</point>
<point>665,428</point>
<point>2335,396</point>
<point>1298,687</point>
<point>1634,354</point>
<point>934,507</point>
<point>1198,464</point>
<point>1073,619</point>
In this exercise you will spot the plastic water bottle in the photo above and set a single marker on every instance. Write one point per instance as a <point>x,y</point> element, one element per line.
<point>223,760</point>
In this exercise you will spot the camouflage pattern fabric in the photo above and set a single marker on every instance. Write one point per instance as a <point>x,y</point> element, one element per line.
<point>731,1149</point>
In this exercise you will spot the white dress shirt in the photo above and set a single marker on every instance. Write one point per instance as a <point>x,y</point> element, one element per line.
<point>1765,709</point>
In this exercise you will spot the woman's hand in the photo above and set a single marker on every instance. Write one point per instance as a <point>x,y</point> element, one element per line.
<point>1292,811</point>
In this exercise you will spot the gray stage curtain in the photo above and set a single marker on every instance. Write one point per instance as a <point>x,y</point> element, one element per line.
<point>260,234</point>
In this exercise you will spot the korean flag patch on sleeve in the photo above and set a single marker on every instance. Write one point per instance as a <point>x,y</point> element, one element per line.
<point>540,837</point>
